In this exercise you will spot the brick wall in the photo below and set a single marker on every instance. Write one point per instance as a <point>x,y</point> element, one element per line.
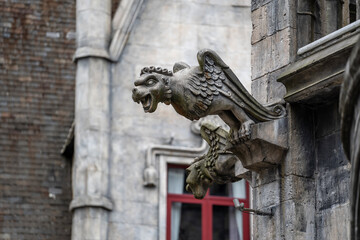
<point>37,78</point>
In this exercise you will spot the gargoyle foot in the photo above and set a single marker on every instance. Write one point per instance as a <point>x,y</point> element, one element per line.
<point>234,137</point>
<point>245,130</point>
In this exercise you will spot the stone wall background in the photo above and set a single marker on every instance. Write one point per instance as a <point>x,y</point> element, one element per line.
<point>37,79</point>
<point>165,32</point>
<point>308,192</point>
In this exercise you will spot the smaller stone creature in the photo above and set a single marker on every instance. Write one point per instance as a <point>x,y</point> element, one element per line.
<point>218,165</point>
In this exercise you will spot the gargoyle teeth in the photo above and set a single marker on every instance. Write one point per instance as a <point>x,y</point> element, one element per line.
<point>146,102</point>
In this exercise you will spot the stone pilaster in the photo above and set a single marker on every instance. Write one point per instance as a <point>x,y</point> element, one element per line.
<point>91,203</point>
<point>287,190</point>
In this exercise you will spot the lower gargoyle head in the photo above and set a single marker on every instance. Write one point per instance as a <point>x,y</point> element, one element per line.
<point>152,87</point>
<point>198,180</point>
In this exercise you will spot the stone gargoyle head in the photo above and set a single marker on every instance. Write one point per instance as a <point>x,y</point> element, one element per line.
<point>198,179</point>
<point>152,87</point>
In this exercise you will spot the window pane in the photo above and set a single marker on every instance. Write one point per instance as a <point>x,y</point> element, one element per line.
<point>185,221</point>
<point>220,190</point>
<point>176,180</point>
<point>236,189</point>
<point>227,223</point>
<point>239,189</point>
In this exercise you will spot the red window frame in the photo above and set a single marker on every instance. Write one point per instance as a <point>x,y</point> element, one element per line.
<point>207,204</point>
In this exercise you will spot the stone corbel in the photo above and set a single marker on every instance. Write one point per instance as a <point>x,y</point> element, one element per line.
<point>266,147</point>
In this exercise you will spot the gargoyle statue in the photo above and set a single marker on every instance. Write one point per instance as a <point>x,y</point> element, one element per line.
<point>218,165</point>
<point>208,89</point>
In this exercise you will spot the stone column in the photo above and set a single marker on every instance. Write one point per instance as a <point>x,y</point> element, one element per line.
<point>91,203</point>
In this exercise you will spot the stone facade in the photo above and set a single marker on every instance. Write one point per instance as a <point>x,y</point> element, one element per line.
<point>174,33</point>
<point>112,133</point>
<point>309,190</point>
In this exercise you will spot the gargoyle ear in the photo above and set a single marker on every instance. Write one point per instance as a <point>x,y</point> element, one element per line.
<point>179,65</point>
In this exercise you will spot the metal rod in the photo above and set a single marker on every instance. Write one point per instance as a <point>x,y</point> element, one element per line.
<point>240,206</point>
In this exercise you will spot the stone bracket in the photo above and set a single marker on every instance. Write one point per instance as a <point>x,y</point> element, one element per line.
<point>91,201</point>
<point>266,148</point>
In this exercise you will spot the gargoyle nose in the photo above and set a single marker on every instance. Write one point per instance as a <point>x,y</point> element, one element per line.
<point>134,90</point>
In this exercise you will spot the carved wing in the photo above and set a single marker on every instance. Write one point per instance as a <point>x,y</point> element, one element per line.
<point>223,79</point>
<point>204,91</point>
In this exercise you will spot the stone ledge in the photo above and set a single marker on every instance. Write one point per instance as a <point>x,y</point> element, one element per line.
<point>90,201</point>
<point>84,52</point>
<point>318,73</point>
<point>266,148</point>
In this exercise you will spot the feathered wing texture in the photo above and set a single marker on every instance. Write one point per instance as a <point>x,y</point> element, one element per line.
<point>216,137</point>
<point>204,90</point>
<point>218,74</point>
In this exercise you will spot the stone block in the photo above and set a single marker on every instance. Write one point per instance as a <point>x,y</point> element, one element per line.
<point>121,231</point>
<point>299,189</point>
<point>298,220</point>
<point>261,58</point>
<point>265,227</point>
<point>271,53</point>
<point>276,91</point>
<point>255,4</point>
<point>300,159</point>
<point>271,18</point>
<point>93,221</point>
<point>263,22</point>
<point>329,152</point>
<point>166,11</point>
<point>95,28</point>
<point>333,223</point>
<point>267,195</point>
<point>145,232</point>
<point>259,89</point>
<point>265,176</point>
<point>280,49</point>
<point>92,119</point>
<point>267,146</point>
<point>92,144</point>
<point>327,120</point>
<point>333,188</point>
<point>137,213</point>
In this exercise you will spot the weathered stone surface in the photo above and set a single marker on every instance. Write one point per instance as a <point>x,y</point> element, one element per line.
<point>333,223</point>
<point>300,160</point>
<point>259,87</point>
<point>266,147</point>
<point>333,188</point>
<point>271,53</point>
<point>270,18</point>
<point>184,27</point>
<point>329,152</point>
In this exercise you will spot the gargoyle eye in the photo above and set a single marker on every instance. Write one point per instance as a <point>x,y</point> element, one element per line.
<point>150,82</point>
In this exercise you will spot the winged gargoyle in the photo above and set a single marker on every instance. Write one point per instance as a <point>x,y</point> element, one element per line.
<point>208,89</point>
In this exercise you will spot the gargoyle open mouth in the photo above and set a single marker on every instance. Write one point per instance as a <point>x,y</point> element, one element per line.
<point>146,102</point>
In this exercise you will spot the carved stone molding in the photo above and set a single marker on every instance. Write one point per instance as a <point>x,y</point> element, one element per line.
<point>91,201</point>
<point>317,74</point>
<point>122,24</point>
